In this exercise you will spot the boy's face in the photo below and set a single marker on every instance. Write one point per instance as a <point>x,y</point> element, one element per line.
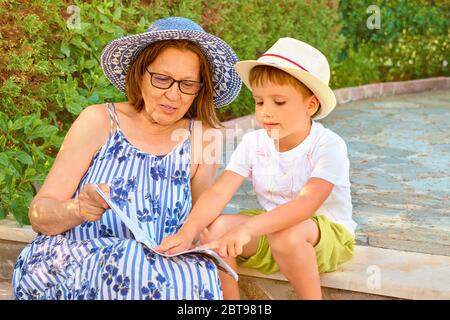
<point>284,112</point>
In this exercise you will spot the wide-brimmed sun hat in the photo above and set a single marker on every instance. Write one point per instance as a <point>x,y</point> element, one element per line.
<point>119,54</point>
<point>302,61</point>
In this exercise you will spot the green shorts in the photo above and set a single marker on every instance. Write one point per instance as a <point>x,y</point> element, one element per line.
<point>336,246</point>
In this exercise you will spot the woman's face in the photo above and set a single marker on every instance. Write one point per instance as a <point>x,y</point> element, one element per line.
<point>167,106</point>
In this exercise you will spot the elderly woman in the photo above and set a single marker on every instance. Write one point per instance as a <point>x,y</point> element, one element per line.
<point>172,74</point>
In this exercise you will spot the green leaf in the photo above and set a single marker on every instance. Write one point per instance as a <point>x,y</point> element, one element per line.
<point>104,19</point>
<point>77,42</point>
<point>74,108</point>
<point>106,93</point>
<point>30,172</point>
<point>2,142</point>
<point>112,29</point>
<point>44,131</point>
<point>94,98</point>
<point>37,152</point>
<point>24,158</point>
<point>117,13</point>
<point>20,213</point>
<point>3,121</point>
<point>22,122</point>
<point>90,64</point>
<point>4,160</point>
<point>65,49</point>
<point>2,212</point>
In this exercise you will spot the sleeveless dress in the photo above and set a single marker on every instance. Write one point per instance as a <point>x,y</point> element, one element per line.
<point>101,260</point>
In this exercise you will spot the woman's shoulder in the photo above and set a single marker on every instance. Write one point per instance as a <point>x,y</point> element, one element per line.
<point>95,112</point>
<point>93,121</point>
<point>96,116</point>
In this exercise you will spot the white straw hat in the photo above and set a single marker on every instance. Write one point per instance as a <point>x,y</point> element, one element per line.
<point>302,61</point>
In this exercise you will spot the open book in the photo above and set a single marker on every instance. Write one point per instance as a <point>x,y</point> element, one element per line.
<point>142,237</point>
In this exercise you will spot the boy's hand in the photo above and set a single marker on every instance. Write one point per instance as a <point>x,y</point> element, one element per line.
<point>232,243</point>
<point>178,242</point>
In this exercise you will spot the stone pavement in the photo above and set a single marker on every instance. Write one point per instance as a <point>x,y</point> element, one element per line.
<point>399,149</point>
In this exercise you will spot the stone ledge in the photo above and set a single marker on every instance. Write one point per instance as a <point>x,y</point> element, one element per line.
<point>387,89</point>
<point>405,275</point>
<point>5,290</point>
<point>373,272</point>
<point>10,230</point>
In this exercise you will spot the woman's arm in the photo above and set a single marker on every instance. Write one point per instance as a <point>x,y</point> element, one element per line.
<point>52,210</point>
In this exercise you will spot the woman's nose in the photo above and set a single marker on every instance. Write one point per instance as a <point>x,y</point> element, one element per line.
<point>173,92</point>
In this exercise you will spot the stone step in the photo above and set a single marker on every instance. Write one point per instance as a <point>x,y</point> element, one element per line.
<point>5,290</point>
<point>373,271</point>
<point>256,288</point>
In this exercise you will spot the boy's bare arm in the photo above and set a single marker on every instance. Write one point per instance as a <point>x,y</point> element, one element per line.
<point>208,206</point>
<point>312,196</point>
<point>212,202</point>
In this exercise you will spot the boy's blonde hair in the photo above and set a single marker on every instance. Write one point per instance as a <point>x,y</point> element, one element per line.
<point>263,74</point>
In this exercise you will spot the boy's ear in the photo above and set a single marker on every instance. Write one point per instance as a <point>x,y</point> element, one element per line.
<point>313,105</point>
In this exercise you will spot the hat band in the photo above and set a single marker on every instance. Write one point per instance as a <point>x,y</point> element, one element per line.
<point>284,58</point>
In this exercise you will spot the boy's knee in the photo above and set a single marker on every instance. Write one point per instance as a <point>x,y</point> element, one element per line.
<point>216,229</point>
<point>286,242</point>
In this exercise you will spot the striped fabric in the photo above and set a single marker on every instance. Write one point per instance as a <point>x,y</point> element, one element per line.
<point>101,260</point>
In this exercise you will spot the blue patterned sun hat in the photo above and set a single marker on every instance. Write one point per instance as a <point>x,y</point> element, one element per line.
<point>119,54</point>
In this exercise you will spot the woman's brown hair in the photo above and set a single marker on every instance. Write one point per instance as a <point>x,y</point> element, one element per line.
<point>203,106</point>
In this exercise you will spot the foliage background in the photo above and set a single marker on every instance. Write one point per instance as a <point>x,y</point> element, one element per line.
<point>49,72</point>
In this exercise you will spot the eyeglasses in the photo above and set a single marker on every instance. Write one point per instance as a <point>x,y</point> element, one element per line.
<point>162,81</point>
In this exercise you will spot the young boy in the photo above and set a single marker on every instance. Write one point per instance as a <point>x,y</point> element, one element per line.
<point>299,171</point>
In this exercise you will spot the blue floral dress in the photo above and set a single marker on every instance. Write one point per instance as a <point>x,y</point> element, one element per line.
<point>101,260</point>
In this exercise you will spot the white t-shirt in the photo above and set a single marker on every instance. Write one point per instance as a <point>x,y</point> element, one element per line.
<point>278,177</point>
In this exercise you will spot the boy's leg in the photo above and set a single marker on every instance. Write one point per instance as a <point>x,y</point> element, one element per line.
<point>215,230</point>
<point>293,250</point>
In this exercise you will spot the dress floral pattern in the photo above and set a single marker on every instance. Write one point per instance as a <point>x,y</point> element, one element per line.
<point>101,260</point>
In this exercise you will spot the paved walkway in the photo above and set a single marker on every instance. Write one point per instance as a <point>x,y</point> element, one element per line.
<point>399,148</point>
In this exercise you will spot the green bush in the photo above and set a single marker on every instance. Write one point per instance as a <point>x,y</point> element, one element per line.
<point>50,71</point>
<point>28,143</point>
<point>252,26</point>
<point>412,42</point>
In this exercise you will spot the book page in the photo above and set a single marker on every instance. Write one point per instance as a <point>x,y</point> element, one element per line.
<point>142,237</point>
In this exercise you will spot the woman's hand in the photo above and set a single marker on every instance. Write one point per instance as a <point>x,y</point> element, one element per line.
<point>91,205</point>
<point>178,242</point>
<point>232,243</point>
